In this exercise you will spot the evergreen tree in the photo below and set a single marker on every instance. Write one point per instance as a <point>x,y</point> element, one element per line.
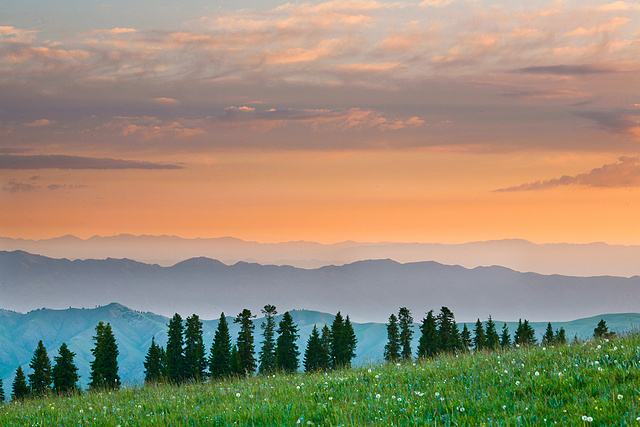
<point>505,338</point>
<point>65,371</point>
<point>325,342</point>
<point>174,354</point>
<point>405,321</point>
<point>195,363</point>
<point>392,348</point>
<point>350,340</point>
<point>315,358</point>
<point>154,363</point>
<point>337,342</point>
<point>448,334</point>
<point>465,337</point>
<point>1,391</point>
<point>19,388</point>
<point>40,378</point>
<point>286,345</point>
<point>529,333</point>
<point>245,342</point>
<point>548,337</point>
<point>104,366</point>
<point>561,337</point>
<point>493,340</point>
<point>220,360</point>
<point>519,337</point>
<point>428,344</point>
<point>479,337</point>
<point>602,330</point>
<point>267,358</point>
<point>235,365</point>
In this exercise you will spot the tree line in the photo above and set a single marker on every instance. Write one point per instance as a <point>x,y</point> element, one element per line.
<point>331,347</point>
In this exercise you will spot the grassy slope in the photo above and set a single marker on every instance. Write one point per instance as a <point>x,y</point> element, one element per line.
<point>521,387</point>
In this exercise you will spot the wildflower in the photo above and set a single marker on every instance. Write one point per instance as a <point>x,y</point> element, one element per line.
<point>504,407</point>
<point>297,387</point>
<point>462,409</point>
<point>620,397</point>
<point>330,397</point>
<point>537,374</point>
<point>437,394</point>
<point>517,382</point>
<point>237,394</point>
<point>377,395</point>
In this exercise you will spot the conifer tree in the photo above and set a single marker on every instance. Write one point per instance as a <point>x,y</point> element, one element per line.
<point>267,357</point>
<point>195,363</point>
<point>220,362</point>
<point>392,348</point>
<point>548,337</point>
<point>325,341</point>
<point>154,363</point>
<point>286,345</point>
<point>315,358</point>
<point>174,353</point>
<point>65,371</point>
<point>40,378</point>
<point>350,340</point>
<point>245,342</point>
<point>337,342</point>
<point>405,320</point>
<point>465,337</point>
<point>235,365</point>
<point>505,338</point>
<point>479,337</point>
<point>561,337</point>
<point>519,336</point>
<point>529,333</point>
<point>19,388</point>
<point>602,330</point>
<point>448,334</point>
<point>428,344</point>
<point>104,366</point>
<point>493,340</point>
<point>1,391</point>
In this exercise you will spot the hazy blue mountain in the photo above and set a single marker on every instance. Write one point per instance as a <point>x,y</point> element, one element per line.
<point>368,290</point>
<point>19,334</point>
<point>583,259</point>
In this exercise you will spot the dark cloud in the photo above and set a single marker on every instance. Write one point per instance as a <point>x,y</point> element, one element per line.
<point>76,162</point>
<point>565,70</point>
<point>615,121</point>
<point>19,187</point>
<point>624,173</point>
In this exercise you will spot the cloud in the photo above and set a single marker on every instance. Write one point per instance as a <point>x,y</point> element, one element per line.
<point>19,187</point>
<point>624,173</point>
<point>623,122</point>
<point>54,161</point>
<point>39,123</point>
<point>612,25</point>
<point>150,128</point>
<point>163,100</point>
<point>435,3</point>
<point>565,70</point>
<point>619,6</point>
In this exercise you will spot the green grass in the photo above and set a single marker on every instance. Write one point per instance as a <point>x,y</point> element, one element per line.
<point>534,386</point>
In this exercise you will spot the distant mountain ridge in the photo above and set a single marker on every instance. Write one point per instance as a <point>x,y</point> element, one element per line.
<point>368,290</point>
<point>20,332</point>
<point>589,259</point>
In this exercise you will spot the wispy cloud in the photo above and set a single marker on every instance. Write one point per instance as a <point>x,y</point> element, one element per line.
<point>566,70</point>
<point>624,173</point>
<point>52,161</point>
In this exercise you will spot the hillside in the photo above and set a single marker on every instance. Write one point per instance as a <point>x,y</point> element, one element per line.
<point>19,334</point>
<point>368,290</point>
<point>595,383</point>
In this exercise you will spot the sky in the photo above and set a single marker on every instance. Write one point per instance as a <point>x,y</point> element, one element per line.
<point>370,120</point>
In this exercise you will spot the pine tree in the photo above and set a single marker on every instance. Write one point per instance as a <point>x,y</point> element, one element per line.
<point>314,356</point>
<point>286,345</point>
<point>19,388</point>
<point>405,321</point>
<point>267,357</point>
<point>1,391</point>
<point>235,365</point>
<point>195,363</point>
<point>350,340</point>
<point>493,340</point>
<point>467,342</point>
<point>428,345</point>
<point>154,363</point>
<point>448,333</point>
<point>337,342</point>
<point>529,333</point>
<point>325,342</point>
<point>104,366</point>
<point>561,337</point>
<point>479,337</point>
<point>548,338</point>
<point>392,348</point>
<point>174,353</point>
<point>505,338</point>
<point>220,359</point>
<point>40,378</point>
<point>65,371</point>
<point>245,342</point>
<point>602,330</point>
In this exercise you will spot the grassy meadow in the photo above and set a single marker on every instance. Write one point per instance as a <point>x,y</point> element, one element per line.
<point>595,383</point>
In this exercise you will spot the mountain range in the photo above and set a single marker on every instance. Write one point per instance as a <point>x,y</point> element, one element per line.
<point>589,259</point>
<point>367,290</point>
<point>19,334</point>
